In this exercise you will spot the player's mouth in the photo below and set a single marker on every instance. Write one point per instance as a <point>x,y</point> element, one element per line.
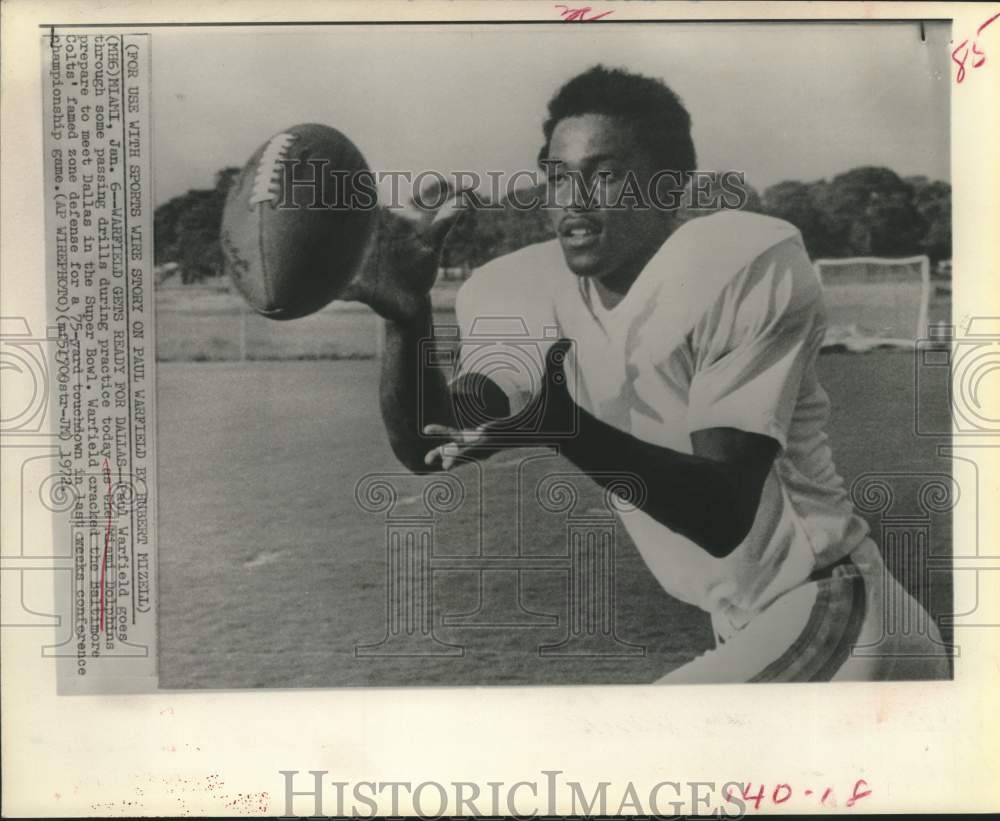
<point>579,232</point>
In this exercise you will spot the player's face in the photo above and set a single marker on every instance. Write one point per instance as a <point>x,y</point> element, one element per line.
<point>611,242</point>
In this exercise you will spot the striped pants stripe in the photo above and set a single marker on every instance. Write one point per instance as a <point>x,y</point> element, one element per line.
<point>841,625</point>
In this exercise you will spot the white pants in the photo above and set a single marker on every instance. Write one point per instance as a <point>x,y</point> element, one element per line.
<point>852,623</point>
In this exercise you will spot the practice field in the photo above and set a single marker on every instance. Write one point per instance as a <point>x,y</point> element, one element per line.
<point>271,574</point>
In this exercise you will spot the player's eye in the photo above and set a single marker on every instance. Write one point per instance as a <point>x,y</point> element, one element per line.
<point>557,176</point>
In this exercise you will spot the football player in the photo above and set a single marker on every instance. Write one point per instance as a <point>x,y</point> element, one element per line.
<point>686,356</point>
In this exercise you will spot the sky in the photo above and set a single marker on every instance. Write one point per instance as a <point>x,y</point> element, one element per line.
<point>778,101</point>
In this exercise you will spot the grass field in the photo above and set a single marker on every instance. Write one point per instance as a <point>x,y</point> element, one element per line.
<point>271,574</point>
<point>210,323</point>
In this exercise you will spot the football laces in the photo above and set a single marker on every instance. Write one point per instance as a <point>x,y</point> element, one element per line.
<point>265,184</point>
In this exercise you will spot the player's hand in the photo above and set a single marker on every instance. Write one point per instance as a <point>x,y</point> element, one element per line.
<point>548,419</point>
<point>405,252</point>
<point>463,445</point>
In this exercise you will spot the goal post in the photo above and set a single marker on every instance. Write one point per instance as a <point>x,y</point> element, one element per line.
<point>875,301</point>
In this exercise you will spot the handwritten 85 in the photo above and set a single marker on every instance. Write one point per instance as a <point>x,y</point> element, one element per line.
<point>960,54</point>
<point>761,795</point>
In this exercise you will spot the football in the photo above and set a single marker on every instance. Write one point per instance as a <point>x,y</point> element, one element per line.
<point>298,220</point>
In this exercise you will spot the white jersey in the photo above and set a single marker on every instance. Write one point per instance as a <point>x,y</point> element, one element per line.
<point>721,329</point>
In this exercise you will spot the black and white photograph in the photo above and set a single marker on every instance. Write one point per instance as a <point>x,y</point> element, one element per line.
<point>562,359</point>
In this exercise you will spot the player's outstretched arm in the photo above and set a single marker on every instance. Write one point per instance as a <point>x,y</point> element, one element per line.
<point>420,408</point>
<point>399,272</point>
<point>710,496</point>
<point>410,391</point>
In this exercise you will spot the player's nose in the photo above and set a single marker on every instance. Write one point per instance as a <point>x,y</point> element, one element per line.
<point>571,193</point>
<point>579,196</point>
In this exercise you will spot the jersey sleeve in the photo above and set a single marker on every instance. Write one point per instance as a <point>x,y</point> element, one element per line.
<point>753,346</point>
<point>506,324</point>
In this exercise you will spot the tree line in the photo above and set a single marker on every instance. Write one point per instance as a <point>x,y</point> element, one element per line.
<point>867,211</point>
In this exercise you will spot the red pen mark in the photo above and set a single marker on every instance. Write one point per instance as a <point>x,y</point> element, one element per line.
<point>757,799</point>
<point>960,74</point>
<point>977,52</point>
<point>107,536</point>
<point>766,795</point>
<point>579,15</point>
<point>858,793</point>
<point>784,796</point>
<point>960,54</point>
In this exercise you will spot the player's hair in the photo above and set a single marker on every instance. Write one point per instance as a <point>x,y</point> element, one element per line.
<point>662,123</point>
